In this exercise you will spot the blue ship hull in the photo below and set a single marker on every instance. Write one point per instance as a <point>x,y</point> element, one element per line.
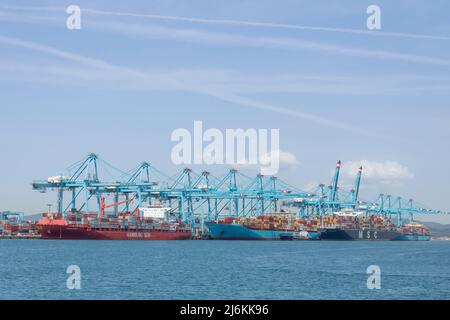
<point>240,232</point>
<point>410,237</point>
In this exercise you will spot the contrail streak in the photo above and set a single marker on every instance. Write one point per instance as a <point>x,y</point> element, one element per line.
<point>218,38</point>
<point>177,85</point>
<point>241,23</point>
<point>268,25</point>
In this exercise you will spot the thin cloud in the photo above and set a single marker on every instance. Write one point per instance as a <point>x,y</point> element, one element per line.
<point>287,161</point>
<point>380,171</point>
<point>242,23</point>
<point>222,80</point>
<point>177,85</point>
<point>229,39</point>
<point>268,25</point>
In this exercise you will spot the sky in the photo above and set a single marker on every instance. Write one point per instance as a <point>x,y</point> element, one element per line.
<point>138,70</point>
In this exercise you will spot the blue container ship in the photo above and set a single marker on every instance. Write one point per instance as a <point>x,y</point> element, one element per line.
<point>261,228</point>
<point>415,232</point>
<point>235,231</point>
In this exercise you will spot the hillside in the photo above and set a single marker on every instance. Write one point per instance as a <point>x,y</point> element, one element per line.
<point>438,230</point>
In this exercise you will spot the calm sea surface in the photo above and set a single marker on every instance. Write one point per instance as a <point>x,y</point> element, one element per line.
<point>36,269</point>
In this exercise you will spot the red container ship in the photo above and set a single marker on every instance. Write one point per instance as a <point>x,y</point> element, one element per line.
<point>79,226</point>
<point>14,225</point>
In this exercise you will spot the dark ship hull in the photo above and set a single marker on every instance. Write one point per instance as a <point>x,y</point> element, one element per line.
<point>360,235</point>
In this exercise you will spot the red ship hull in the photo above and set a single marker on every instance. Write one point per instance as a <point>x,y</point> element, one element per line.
<point>65,232</point>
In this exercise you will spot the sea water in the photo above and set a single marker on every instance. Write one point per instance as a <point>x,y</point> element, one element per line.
<point>229,270</point>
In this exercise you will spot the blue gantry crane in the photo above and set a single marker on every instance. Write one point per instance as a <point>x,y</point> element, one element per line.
<point>199,197</point>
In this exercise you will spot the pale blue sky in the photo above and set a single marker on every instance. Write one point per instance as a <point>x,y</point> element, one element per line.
<point>122,84</point>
